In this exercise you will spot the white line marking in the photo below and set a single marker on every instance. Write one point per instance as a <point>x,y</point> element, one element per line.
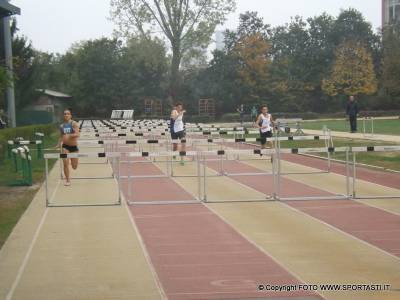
<point>337,229</point>
<point>143,246</point>
<point>29,252</point>
<point>341,231</point>
<point>260,248</point>
<point>366,203</point>
<point>247,239</point>
<point>361,181</point>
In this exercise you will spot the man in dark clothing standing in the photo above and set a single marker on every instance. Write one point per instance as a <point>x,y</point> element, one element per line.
<point>240,110</point>
<point>352,112</point>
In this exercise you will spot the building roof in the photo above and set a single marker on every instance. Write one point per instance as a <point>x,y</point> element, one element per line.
<point>53,93</point>
<point>7,9</point>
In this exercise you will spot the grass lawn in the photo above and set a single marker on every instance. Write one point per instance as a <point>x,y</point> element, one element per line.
<point>15,200</point>
<point>390,126</point>
<point>13,203</point>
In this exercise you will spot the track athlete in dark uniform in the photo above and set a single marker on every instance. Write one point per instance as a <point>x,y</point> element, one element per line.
<point>69,134</point>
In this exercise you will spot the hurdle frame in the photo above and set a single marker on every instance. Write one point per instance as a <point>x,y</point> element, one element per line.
<point>205,199</point>
<point>365,121</point>
<point>350,168</point>
<point>346,196</point>
<point>86,163</point>
<point>326,137</point>
<point>356,150</point>
<point>78,155</point>
<point>169,174</point>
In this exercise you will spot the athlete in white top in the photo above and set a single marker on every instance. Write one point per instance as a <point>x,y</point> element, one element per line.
<point>178,128</point>
<point>265,123</point>
<point>178,123</point>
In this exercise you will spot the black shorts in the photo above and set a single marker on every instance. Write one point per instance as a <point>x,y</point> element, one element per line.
<point>71,149</point>
<point>178,135</point>
<point>264,136</point>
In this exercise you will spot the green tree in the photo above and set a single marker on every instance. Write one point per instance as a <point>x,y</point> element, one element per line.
<point>4,80</point>
<point>391,60</point>
<point>352,72</point>
<point>185,24</point>
<point>253,62</point>
<point>105,74</point>
<point>94,70</point>
<point>142,72</point>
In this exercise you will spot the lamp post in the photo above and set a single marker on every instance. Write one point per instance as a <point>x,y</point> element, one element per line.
<point>6,11</point>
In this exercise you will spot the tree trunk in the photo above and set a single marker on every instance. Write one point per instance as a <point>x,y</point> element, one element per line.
<point>174,72</point>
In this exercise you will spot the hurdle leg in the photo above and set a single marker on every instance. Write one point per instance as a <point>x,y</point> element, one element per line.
<point>279,170</point>
<point>172,166</point>
<point>372,126</point>
<point>119,179</point>
<point>61,166</point>
<point>198,177</point>
<point>275,168</point>
<point>130,183</point>
<point>364,131</point>
<point>354,175</point>
<point>46,163</point>
<point>204,179</point>
<point>347,175</point>
<point>167,165</point>
<point>327,145</point>
<point>221,166</point>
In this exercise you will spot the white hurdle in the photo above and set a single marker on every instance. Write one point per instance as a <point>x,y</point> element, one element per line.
<point>201,157</point>
<point>370,131</point>
<point>114,158</point>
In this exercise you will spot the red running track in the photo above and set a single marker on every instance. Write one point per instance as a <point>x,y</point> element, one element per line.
<point>197,255</point>
<point>150,189</point>
<point>372,225</point>
<point>264,183</point>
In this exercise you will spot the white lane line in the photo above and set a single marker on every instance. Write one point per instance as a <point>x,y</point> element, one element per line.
<point>143,246</point>
<point>337,229</point>
<point>337,175</point>
<point>214,212</point>
<point>341,231</point>
<point>29,252</point>
<point>261,249</point>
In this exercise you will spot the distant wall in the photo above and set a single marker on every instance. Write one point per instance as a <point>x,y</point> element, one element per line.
<point>31,117</point>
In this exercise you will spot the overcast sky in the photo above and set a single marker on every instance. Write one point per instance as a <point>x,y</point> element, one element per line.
<point>53,25</point>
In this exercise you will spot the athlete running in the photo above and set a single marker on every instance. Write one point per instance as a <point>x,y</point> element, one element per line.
<point>178,128</point>
<point>69,134</point>
<point>265,123</point>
